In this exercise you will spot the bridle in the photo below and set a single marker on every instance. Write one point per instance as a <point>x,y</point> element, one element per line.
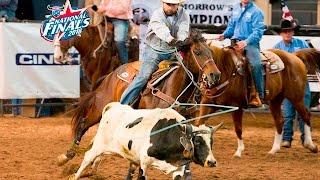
<point>204,64</point>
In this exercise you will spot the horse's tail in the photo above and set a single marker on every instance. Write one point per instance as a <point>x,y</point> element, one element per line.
<point>311,58</point>
<point>81,110</point>
<point>98,82</point>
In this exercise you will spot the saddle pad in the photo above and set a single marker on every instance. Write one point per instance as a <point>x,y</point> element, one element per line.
<point>129,71</point>
<point>276,63</point>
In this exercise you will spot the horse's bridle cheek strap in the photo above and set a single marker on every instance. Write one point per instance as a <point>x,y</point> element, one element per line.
<point>204,64</point>
<point>207,62</point>
<point>196,60</point>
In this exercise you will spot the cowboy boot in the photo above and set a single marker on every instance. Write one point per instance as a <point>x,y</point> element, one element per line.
<point>254,101</point>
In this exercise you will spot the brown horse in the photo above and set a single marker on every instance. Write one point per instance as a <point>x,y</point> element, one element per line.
<point>106,59</point>
<point>197,59</point>
<point>289,83</point>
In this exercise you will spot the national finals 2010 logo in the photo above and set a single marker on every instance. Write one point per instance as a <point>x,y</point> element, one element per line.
<point>64,22</point>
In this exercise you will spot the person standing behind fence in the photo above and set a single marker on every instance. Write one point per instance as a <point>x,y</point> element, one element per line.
<point>246,25</point>
<point>8,9</point>
<point>291,44</point>
<point>119,12</point>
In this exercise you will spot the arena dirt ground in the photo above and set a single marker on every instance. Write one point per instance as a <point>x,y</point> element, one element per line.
<point>29,147</point>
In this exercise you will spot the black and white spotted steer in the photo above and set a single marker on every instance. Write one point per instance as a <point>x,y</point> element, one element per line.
<point>127,132</point>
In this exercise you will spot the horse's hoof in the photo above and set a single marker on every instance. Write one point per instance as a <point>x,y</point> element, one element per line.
<point>72,177</point>
<point>272,152</point>
<point>62,159</point>
<point>237,155</point>
<point>313,148</point>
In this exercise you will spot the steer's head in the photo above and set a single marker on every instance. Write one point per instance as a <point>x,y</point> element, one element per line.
<point>201,142</point>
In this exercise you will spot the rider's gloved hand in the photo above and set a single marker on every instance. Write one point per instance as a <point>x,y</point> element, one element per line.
<point>173,42</point>
<point>220,37</point>
<point>177,43</point>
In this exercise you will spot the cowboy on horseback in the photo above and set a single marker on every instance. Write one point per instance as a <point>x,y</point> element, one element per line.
<point>118,13</point>
<point>168,27</point>
<point>247,26</point>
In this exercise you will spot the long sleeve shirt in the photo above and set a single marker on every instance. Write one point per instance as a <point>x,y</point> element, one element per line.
<point>120,9</point>
<point>162,29</point>
<point>8,9</point>
<point>293,46</point>
<point>246,23</point>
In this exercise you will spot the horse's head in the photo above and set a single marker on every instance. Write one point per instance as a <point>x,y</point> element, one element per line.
<point>199,59</point>
<point>61,49</point>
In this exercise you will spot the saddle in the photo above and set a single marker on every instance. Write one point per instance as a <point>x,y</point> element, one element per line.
<point>128,72</point>
<point>271,62</point>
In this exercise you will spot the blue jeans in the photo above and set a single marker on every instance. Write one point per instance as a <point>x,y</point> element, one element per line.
<point>253,55</point>
<point>149,65</point>
<point>121,28</point>
<point>16,110</point>
<point>289,114</point>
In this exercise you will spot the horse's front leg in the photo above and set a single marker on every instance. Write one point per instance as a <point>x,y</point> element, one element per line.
<point>275,108</point>
<point>237,121</point>
<point>203,111</point>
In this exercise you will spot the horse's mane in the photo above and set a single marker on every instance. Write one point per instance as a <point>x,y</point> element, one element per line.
<point>223,59</point>
<point>196,36</point>
<point>311,58</point>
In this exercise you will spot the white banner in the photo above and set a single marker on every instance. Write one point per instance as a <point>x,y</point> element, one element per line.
<point>215,12</point>
<point>201,11</point>
<point>27,69</point>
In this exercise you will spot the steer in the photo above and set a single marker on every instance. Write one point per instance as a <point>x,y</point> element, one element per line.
<point>138,136</point>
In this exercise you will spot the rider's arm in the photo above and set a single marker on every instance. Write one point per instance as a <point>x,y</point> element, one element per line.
<point>257,27</point>
<point>159,27</point>
<point>184,26</point>
<point>228,33</point>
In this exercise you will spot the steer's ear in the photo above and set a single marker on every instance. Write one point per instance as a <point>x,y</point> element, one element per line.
<point>215,128</point>
<point>188,147</point>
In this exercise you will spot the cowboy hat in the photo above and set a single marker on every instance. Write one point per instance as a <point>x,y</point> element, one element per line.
<point>171,1</point>
<point>287,25</point>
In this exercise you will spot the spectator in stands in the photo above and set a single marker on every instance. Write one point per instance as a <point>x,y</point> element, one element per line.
<point>8,9</point>
<point>291,44</point>
<point>246,26</point>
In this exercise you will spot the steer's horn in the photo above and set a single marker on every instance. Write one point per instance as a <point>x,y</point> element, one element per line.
<point>215,128</point>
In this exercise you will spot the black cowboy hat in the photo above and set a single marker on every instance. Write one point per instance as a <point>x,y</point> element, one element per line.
<point>288,25</point>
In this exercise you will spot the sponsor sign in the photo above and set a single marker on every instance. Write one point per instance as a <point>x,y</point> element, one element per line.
<point>64,22</point>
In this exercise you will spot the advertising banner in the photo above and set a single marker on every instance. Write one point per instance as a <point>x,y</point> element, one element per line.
<point>27,69</point>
